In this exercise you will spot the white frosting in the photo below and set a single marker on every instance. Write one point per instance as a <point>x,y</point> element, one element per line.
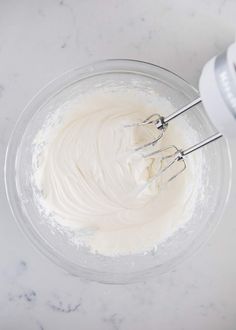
<point>94,183</point>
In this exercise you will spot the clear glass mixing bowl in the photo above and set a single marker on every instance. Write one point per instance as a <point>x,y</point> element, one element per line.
<point>54,243</point>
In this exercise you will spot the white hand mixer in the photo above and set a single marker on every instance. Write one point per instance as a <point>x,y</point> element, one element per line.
<point>217,87</point>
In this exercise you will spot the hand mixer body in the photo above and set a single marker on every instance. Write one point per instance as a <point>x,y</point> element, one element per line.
<point>217,87</point>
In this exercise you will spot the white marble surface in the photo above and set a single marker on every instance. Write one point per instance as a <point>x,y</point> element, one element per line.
<point>40,40</point>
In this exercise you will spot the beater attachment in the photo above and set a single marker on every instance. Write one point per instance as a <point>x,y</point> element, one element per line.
<point>172,159</point>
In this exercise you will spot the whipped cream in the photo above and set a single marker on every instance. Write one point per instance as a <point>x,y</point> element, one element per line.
<point>93,183</point>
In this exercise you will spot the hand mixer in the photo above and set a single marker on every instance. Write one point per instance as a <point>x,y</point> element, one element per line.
<point>217,87</point>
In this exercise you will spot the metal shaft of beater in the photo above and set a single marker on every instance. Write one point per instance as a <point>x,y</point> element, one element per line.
<point>201,144</point>
<point>179,112</point>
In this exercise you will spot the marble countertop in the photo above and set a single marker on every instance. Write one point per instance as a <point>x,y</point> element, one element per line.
<point>39,40</point>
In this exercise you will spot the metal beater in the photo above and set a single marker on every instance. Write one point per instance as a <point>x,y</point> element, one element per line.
<point>172,153</point>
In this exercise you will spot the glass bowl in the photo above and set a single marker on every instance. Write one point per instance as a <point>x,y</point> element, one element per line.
<point>54,243</point>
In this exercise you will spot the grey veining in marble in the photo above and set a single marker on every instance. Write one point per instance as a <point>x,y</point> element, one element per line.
<point>39,40</point>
